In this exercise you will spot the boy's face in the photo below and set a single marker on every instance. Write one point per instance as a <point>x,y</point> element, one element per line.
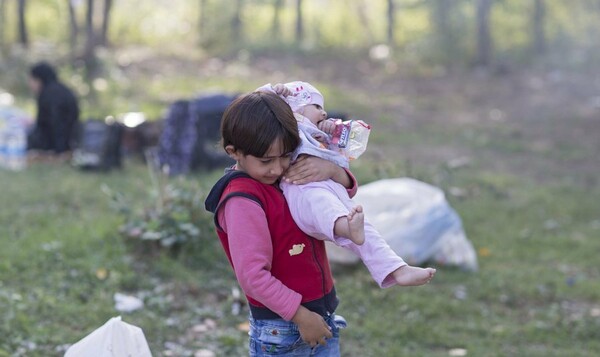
<point>267,169</point>
<point>314,112</point>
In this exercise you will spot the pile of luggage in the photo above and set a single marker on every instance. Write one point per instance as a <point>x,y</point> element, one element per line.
<point>186,140</point>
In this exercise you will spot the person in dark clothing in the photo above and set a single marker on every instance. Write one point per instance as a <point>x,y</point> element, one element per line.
<point>57,111</point>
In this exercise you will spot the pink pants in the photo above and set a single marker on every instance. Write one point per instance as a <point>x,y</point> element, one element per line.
<point>316,206</point>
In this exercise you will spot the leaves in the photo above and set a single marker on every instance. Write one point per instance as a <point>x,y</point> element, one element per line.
<point>172,217</point>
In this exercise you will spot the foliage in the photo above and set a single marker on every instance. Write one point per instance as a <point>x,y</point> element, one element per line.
<point>173,216</point>
<point>54,290</point>
<point>440,32</point>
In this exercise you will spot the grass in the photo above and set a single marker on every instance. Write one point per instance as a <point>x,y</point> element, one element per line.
<point>536,292</point>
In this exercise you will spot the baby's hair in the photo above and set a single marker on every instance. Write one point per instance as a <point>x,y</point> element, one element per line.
<point>254,121</point>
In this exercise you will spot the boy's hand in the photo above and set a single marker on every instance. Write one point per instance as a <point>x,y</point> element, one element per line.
<point>282,90</point>
<point>313,169</point>
<point>327,126</point>
<point>313,328</point>
<point>309,169</point>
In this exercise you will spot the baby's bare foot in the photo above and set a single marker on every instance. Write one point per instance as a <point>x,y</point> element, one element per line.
<point>413,276</point>
<point>356,224</point>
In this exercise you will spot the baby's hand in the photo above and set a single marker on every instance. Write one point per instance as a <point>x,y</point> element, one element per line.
<point>282,90</point>
<point>327,126</point>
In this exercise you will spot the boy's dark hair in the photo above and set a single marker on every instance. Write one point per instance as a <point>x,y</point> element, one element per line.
<point>254,121</point>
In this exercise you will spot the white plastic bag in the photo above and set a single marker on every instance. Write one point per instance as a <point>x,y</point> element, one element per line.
<point>113,339</point>
<point>416,221</point>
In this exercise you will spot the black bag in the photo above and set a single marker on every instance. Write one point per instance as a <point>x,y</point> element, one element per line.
<point>208,112</point>
<point>99,146</point>
<point>191,133</point>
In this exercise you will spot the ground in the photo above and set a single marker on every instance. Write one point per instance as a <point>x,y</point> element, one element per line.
<point>516,151</point>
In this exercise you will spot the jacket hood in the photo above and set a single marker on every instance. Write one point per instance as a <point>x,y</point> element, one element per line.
<point>214,197</point>
<point>44,72</point>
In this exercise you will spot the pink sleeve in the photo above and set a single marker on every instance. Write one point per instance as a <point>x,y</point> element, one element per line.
<point>251,250</point>
<point>352,190</point>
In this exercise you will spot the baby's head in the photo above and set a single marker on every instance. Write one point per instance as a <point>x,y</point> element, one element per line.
<point>307,101</point>
<point>260,132</point>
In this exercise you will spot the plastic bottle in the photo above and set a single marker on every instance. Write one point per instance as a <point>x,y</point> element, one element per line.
<point>14,144</point>
<point>2,140</point>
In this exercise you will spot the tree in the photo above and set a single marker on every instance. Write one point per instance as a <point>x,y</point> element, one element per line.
<point>202,18</point>
<point>23,35</point>
<point>276,28</point>
<point>89,54</point>
<point>539,37</point>
<point>105,23</point>
<point>391,21</point>
<point>444,15</point>
<point>441,15</point>
<point>73,28</point>
<point>484,39</point>
<point>361,13</point>
<point>236,22</point>
<point>2,22</point>
<point>299,22</point>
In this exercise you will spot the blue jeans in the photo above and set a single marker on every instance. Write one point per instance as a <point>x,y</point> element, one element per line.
<point>281,338</point>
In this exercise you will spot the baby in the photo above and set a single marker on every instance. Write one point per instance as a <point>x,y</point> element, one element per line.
<point>323,209</point>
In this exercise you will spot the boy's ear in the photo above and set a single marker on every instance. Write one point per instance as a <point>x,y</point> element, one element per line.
<point>232,152</point>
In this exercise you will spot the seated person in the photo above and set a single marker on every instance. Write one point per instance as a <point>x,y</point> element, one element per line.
<point>57,111</point>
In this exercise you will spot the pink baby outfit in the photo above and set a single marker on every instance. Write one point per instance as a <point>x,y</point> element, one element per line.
<point>316,206</point>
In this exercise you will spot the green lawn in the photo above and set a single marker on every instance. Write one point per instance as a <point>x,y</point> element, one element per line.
<point>530,205</point>
<point>536,293</point>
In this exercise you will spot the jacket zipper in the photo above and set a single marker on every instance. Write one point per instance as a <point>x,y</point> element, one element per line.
<point>327,307</point>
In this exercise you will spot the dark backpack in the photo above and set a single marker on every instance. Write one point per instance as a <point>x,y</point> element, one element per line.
<point>208,112</point>
<point>99,146</point>
<point>191,134</point>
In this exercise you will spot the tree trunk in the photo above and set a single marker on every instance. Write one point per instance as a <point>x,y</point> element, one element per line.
<point>361,12</point>
<point>484,40</point>
<point>236,22</point>
<point>2,22</point>
<point>23,36</point>
<point>442,19</point>
<point>105,23</point>
<point>539,38</point>
<point>276,28</point>
<point>445,33</point>
<point>299,23</point>
<point>391,21</point>
<point>202,21</point>
<point>89,55</point>
<point>73,29</point>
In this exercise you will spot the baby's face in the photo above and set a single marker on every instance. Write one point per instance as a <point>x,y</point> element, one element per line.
<point>314,112</point>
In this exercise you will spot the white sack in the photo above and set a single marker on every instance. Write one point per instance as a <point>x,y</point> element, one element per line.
<point>114,339</point>
<point>416,221</point>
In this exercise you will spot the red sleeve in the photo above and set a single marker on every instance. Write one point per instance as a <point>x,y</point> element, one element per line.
<point>354,188</point>
<point>251,251</point>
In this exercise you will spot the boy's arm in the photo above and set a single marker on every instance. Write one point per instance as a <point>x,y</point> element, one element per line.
<point>251,252</point>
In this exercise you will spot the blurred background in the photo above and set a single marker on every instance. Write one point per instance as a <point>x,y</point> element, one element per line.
<point>143,50</point>
<point>495,102</point>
